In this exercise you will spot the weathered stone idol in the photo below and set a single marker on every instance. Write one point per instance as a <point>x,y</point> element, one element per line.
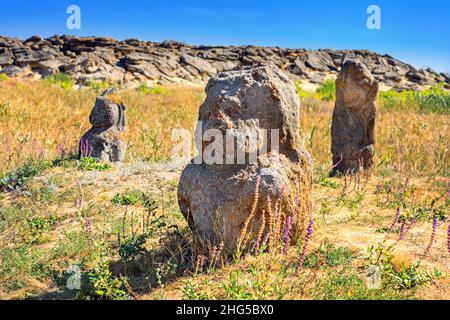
<point>352,129</point>
<point>217,197</point>
<point>104,140</point>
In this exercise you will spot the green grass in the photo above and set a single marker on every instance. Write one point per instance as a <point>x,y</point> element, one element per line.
<point>127,198</point>
<point>17,179</point>
<point>143,88</point>
<point>133,198</point>
<point>327,90</point>
<point>33,229</point>
<point>252,284</point>
<point>103,285</point>
<point>350,202</point>
<point>90,163</point>
<point>341,280</point>
<point>60,79</point>
<point>434,100</point>
<point>345,284</point>
<point>20,261</point>
<point>138,242</point>
<point>99,85</point>
<point>328,255</point>
<point>3,77</point>
<point>399,277</point>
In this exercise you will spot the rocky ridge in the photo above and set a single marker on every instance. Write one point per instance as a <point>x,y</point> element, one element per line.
<point>132,62</point>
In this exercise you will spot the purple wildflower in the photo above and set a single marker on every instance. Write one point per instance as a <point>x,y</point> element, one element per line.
<point>85,150</point>
<point>78,203</point>
<point>448,239</point>
<point>257,246</point>
<point>406,183</point>
<point>404,231</point>
<point>309,231</point>
<point>397,216</point>
<point>286,234</point>
<point>341,157</point>
<point>432,236</point>
<point>277,209</point>
<point>265,241</point>
<point>87,225</point>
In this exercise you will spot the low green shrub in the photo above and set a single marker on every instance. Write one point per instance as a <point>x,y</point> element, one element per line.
<point>143,88</point>
<point>434,99</point>
<point>61,79</point>
<point>327,90</point>
<point>15,180</point>
<point>90,163</point>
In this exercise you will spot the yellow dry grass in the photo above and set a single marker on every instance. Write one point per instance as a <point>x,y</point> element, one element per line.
<point>39,121</point>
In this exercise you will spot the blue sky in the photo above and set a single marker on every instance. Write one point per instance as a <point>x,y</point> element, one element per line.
<point>417,32</point>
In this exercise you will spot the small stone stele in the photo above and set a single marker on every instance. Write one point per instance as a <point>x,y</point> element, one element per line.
<point>352,129</point>
<point>104,140</point>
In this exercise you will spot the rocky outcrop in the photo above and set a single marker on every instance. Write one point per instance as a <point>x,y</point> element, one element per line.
<point>216,197</point>
<point>353,124</point>
<point>132,62</point>
<point>104,140</point>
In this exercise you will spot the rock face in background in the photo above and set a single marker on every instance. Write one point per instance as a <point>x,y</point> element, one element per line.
<point>216,199</point>
<point>104,140</point>
<point>352,128</point>
<point>133,62</point>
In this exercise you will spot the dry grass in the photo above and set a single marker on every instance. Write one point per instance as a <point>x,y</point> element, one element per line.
<point>38,120</point>
<point>407,142</point>
<point>44,229</point>
<point>42,121</point>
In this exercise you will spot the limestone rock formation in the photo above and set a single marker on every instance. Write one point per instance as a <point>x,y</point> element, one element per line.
<point>216,199</point>
<point>104,140</point>
<point>132,62</point>
<point>352,129</point>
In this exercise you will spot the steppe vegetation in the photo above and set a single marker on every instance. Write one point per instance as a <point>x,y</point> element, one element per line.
<point>120,225</point>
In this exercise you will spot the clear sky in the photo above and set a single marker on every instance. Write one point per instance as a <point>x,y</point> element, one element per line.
<point>414,31</point>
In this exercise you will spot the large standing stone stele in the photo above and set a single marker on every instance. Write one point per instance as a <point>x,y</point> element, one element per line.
<point>216,199</point>
<point>104,140</point>
<point>352,129</point>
